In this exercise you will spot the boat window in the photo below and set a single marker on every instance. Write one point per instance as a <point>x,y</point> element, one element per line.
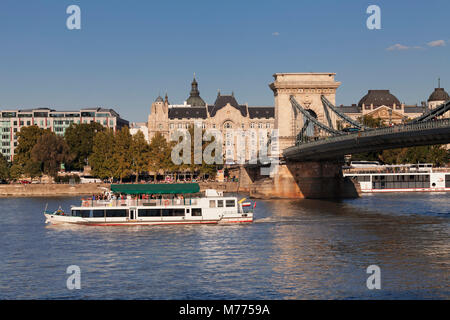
<point>196,212</point>
<point>149,212</point>
<point>81,213</point>
<point>363,178</point>
<point>98,213</point>
<point>220,203</point>
<point>116,213</point>
<point>172,212</point>
<point>212,203</point>
<point>230,203</point>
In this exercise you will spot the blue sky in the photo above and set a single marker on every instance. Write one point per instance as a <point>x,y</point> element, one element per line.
<point>127,52</point>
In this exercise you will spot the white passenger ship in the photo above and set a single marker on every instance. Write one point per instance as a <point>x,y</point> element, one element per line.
<point>155,204</point>
<point>374,177</point>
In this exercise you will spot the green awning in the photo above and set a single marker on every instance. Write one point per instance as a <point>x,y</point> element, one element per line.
<point>156,188</point>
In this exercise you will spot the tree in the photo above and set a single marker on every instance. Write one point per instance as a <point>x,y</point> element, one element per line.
<point>139,154</point>
<point>80,139</point>
<point>160,155</point>
<point>102,156</point>
<point>27,139</point>
<point>371,122</point>
<point>51,150</point>
<point>122,153</point>
<point>4,168</point>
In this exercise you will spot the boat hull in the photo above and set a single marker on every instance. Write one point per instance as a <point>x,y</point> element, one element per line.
<point>58,220</point>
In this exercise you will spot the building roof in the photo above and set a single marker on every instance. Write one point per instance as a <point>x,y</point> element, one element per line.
<point>222,101</point>
<point>186,112</point>
<point>439,94</point>
<point>379,98</point>
<point>194,98</point>
<point>415,109</point>
<point>261,112</point>
<point>349,109</point>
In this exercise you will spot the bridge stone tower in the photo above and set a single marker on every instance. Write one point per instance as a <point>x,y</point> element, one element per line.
<point>307,89</point>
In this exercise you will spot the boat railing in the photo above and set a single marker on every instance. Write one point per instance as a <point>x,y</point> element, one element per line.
<point>139,202</point>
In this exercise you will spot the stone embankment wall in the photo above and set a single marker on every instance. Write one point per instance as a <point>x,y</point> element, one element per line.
<point>49,190</point>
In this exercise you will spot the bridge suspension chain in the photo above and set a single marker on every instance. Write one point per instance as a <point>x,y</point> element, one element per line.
<point>436,112</point>
<point>341,115</point>
<point>309,117</point>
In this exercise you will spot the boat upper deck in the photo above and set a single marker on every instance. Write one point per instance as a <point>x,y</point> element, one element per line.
<point>394,169</point>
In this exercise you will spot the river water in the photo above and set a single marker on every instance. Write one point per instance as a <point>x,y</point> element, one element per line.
<point>303,249</point>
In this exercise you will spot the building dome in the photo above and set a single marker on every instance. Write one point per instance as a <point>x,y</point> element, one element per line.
<point>439,94</point>
<point>379,98</point>
<point>194,99</point>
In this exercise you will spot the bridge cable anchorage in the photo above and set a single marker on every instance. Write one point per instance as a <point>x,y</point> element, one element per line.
<point>306,114</point>
<point>341,115</point>
<point>436,112</point>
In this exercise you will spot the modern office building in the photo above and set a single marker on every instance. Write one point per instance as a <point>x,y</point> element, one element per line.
<point>11,121</point>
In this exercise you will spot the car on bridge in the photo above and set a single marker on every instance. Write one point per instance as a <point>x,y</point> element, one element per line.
<point>351,129</point>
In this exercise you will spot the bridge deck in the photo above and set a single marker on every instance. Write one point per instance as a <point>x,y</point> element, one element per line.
<point>407,135</point>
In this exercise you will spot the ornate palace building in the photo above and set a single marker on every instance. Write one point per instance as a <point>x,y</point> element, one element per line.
<point>225,115</point>
<point>384,105</point>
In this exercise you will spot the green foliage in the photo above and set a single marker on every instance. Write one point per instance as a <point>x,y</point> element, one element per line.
<point>27,139</point>
<point>371,122</point>
<point>51,150</point>
<point>160,155</point>
<point>140,153</point>
<point>437,155</point>
<point>16,171</point>
<point>101,159</point>
<point>80,139</point>
<point>4,168</point>
<point>122,153</point>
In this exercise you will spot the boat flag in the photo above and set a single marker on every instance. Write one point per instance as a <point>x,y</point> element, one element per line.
<point>254,205</point>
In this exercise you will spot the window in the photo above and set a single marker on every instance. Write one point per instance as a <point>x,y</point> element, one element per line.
<point>98,213</point>
<point>267,125</point>
<point>252,125</point>
<point>212,203</point>
<point>196,212</point>
<point>149,212</point>
<point>220,203</point>
<point>172,212</point>
<point>230,203</point>
<point>81,213</point>
<point>116,213</point>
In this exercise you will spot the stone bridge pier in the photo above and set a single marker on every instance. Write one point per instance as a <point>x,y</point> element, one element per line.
<point>298,180</point>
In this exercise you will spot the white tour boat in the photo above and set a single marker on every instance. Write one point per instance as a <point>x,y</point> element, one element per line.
<point>155,204</point>
<point>400,178</point>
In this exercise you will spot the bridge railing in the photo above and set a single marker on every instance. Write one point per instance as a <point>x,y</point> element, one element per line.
<point>442,123</point>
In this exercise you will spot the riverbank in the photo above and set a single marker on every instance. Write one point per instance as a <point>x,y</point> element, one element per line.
<point>51,190</point>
